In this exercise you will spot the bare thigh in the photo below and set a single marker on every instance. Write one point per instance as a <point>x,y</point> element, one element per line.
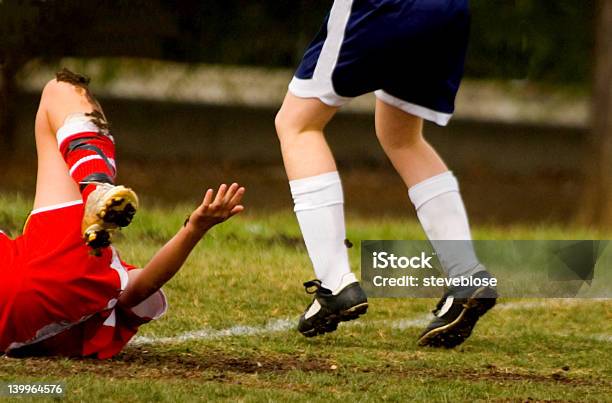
<point>53,183</point>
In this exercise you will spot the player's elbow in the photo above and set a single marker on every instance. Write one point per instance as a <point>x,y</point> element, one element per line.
<point>136,291</point>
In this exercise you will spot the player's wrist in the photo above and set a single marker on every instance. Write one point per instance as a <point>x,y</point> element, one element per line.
<point>194,229</point>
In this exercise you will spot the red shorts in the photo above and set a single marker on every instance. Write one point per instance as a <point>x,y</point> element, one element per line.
<point>52,282</point>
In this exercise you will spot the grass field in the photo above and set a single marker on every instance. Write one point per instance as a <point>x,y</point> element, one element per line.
<point>229,333</point>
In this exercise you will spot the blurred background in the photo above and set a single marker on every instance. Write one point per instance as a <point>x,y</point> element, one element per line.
<point>191,89</point>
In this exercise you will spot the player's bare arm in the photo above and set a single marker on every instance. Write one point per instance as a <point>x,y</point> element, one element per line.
<point>214,210</point>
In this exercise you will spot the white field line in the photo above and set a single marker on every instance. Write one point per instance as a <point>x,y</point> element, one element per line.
<point>601,337</point>
<point>286,324</point>
<point>274,326</point>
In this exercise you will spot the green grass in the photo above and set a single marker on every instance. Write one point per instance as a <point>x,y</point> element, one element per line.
<point>248,272</point>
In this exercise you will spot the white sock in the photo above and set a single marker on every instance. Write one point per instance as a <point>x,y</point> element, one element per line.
<point>442,214</point>
<point>319,207</point>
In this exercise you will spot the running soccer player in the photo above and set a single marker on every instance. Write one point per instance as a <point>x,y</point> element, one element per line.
<point>411,54</point>
<point>64,289</point>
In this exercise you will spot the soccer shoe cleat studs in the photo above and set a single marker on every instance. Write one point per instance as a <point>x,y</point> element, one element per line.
<point>107,209</point>
<point>329,308</point>
<point>457,313</point>
<point>96,237</point>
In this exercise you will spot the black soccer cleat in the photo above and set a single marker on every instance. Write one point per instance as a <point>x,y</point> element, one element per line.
<point>457,313</point>
<point>329,308</point>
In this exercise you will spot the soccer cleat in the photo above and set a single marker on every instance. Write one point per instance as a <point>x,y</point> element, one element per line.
<point>107,209</point>
<point>329,308</point>
<point>457,314</point>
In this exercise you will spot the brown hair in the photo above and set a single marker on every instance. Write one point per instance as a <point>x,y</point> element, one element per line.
<point>73,78</point>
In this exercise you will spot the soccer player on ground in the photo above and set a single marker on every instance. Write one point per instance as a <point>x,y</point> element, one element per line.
<point>64,289</point>
<point>411,54</point>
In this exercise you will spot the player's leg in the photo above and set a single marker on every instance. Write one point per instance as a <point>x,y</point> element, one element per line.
<point>432,187</point>
<point>341,62</point>
<point>80,132</point>
<point>54,185</point>
<point>81,129</point>
<point>319,207</point>
<point>424,68</point>
<point>435,193</point>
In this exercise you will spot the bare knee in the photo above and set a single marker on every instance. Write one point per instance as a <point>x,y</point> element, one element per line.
<point>66,94</point>
<point>286,125</point>
<point>68,85</point>
<point>297,117</point>
<point>301,115</point>
<point>399,131</point>
<point>403,139</point>
<point>59,91</point>
<point>57,100</point>
<point>51,88</point>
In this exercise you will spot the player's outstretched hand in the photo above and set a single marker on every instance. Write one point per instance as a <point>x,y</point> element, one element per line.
<point>217,208</point>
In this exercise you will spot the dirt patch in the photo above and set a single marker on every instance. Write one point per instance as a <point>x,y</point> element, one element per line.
<point>488,375</point>
<point>218,366</point>
<point>530,400</point>
<point>135,363</point>
<point>503,376</point>
<point>220,361</point>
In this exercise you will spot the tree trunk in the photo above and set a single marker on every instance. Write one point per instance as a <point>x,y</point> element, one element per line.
<point>597,210</point>
<point>7,110</point>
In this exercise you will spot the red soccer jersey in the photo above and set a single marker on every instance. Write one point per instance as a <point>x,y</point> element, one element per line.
<point>57,295</point>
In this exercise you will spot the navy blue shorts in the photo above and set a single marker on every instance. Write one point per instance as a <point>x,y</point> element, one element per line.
<point>410,52</point>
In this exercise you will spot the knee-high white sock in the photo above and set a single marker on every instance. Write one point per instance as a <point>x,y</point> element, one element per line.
<point>319,207</point>
<point>442,214</point>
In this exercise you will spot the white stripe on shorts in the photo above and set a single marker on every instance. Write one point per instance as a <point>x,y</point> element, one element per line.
<point>321,85</point>
<point>120,269</point>
<point>56,206</point>
<point>414,109</point>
